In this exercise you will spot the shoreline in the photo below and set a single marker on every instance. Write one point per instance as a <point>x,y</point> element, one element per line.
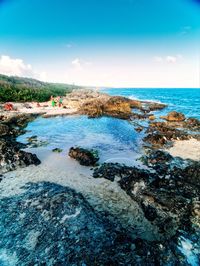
<point>142,201</point>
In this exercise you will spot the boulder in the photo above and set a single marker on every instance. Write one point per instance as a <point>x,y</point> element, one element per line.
<point>174,117</point>
<point>152,117</point>
<point>84,156</point>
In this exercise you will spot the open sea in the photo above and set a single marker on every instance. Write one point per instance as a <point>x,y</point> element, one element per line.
<point>186,101</point>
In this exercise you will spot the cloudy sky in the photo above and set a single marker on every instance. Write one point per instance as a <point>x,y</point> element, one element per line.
<point>116,43</point>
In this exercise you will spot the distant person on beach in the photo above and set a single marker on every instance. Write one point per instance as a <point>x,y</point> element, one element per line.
<point>60,100</point>
<point>53,102</point>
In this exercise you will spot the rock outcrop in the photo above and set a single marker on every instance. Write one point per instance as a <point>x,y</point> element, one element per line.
<point>174,117</point>
<point>11,155</point>
<point>84,156</point>
<point>48,224</point>
<point>165,196</point>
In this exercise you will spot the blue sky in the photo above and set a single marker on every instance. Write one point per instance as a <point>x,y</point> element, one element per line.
<point>119,43</point>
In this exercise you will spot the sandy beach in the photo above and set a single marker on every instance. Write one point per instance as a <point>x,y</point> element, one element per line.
<point>186,149</point>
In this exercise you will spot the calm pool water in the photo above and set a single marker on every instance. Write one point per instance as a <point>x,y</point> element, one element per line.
<point>115,139</point>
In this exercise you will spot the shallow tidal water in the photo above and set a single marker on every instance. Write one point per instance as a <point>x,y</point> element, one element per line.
<point>114,139</point>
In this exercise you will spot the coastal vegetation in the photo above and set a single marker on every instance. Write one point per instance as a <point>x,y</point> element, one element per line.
<point>17,89</point>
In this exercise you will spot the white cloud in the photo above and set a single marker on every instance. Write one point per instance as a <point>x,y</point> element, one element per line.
<point>79,64</point>
<point>10,66</point>
<point>17,67</point>
<point>171,59</point>
<point>76,63</point>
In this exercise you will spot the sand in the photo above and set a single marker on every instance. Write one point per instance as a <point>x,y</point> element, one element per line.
<point>45,109</point>
<point>186,149</point>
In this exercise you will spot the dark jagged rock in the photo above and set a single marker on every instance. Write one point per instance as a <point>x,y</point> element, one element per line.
<point>139,129</point>
<point>147,106</point>
<point>84,156</point>
<point>4,130</point>
<point>48,224</point>
<point>140,116</point>
<point>166,195</point>
<point>11,157</point>
<point>58,150</point>
<point>162,133</point>
<point>19,120</point>
<point>191,173</point>
<point>34,142</point>
<point>111,171</point>
<point>53,225</point>
<point>192,123</point>
<point>174,117</point>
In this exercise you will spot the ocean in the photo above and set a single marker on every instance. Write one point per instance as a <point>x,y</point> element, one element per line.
<point>186,101</point>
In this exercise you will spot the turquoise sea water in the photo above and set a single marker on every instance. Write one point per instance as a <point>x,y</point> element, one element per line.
<point>186,101</point>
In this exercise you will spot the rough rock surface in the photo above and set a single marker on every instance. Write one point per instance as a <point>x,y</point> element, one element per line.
<point>165,196</point>
<point>162,133</point>
<point>48,224</point>
<point>11,157</point>
<point>117,107</point>
<point>174,117</point>
<point>83,156</point>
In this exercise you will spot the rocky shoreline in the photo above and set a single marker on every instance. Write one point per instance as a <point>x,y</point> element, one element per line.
<point>56,225</point>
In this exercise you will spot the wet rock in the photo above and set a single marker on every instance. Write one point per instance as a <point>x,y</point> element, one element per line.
<point>11,157</point>
<point>159,156</point>
<point>152,117</point>
<point>156,139</point>
<point>32,139</point>
<point>139,129</point>
<point>139,116</point>
<point>53,225</point>
<point>192,123</point>
<point>191,173</point>
<point>84,156</point>
<point>174,117</point>
<point>58,150</point>
<point>162,133</point>
<point>111,171</point>
<point>20,120</point>
<point>165,195</point>
<point>48,224</point>
<point>34,142</point>
<point>4,130</point>
<point>156,106</point>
